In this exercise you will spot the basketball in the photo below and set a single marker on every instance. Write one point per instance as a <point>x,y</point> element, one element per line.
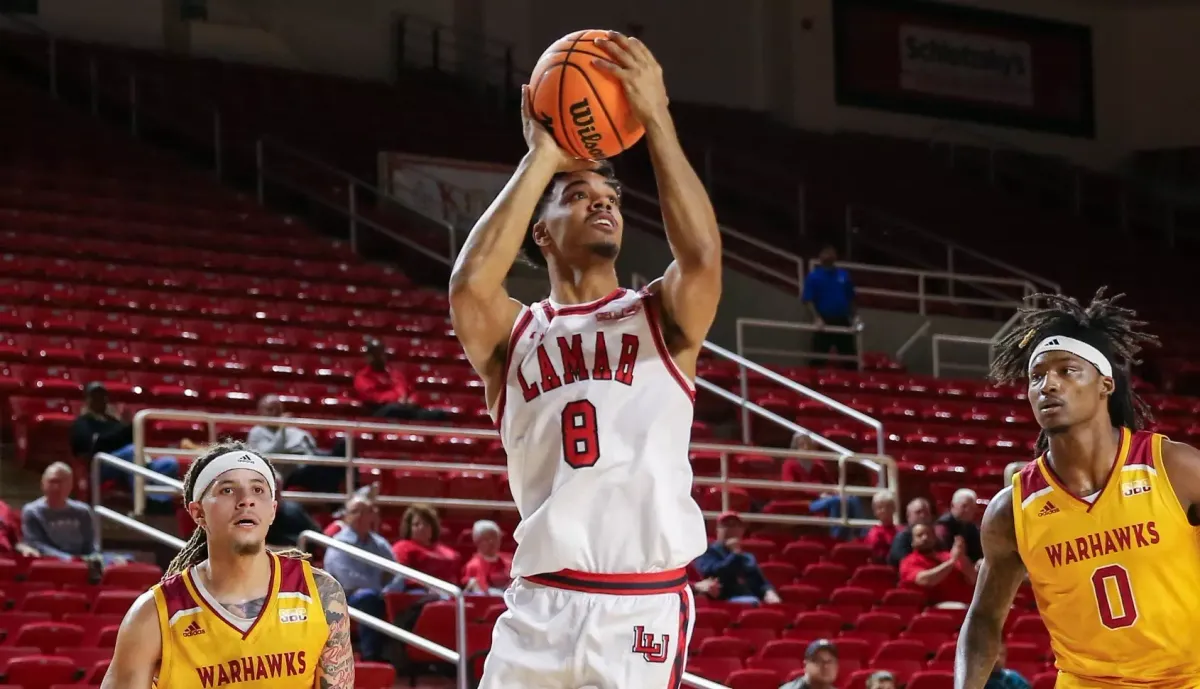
<point>584,107</point>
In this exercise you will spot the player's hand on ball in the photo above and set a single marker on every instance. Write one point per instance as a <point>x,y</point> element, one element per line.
<point>641,75</point>
<point>542,143</point>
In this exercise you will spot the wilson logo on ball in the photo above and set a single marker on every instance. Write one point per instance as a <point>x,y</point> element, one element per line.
<point>585,127</point>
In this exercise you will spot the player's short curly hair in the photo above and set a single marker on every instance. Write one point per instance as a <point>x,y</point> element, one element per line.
<point>531,253</point>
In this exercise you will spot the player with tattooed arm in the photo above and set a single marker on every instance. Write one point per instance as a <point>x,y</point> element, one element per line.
<point>1104,521</point>
<point>229,612</point>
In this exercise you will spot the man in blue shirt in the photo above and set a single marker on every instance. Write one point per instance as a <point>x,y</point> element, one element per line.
<point>363,583</point>
<point>829,294</point>
<point>737,572</point>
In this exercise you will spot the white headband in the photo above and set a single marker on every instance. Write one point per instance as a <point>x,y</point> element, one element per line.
<point>239,459</point>
<point>1083,350</point>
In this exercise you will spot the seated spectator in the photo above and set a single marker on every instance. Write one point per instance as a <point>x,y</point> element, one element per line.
<point>291,519</point>
<point>880,536</point>
<point>10,533</point>
<point>737,573</point>
<point>917,512</point>
<point>369,493</point>
<point>830,505</point>
<point>804,470</point>
<point>364,584</point>
<point>947,578</point>
<point>100,428</point>
<point>820,667</point>
<point>56,526</point>
<point>419,548</point>
<point>289,440</point>
<point>960,521</point>
<point>384,389</point>
<point>488,570</point>
<point>881,680</point>
<point>1002,677</point>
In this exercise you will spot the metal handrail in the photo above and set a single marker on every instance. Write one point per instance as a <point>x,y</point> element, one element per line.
<point>402,635</point>
<point>991,342</point>
<point>856,331</point>
<point>460,608</point>
<point>745,364</point>
<point>885,467</point>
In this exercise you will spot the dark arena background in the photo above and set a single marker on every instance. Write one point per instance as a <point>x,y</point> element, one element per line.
<point>236,219</point>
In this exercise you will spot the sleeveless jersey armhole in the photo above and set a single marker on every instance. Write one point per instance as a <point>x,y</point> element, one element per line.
<point>654,322</point>
<point>311,579</point>
<point>524,318</point>
<point>1018,511</point>
<point>164,632</point>
<point>1171,500</point>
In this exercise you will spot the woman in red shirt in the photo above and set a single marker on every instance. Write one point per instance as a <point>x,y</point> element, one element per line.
<point>488,569</point>
<point>418,546</point>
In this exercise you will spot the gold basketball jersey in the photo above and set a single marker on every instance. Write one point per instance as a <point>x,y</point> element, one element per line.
<point>203,646</point>
<point>1116,579</point>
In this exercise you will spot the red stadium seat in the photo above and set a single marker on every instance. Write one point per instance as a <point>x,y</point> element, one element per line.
<point>39,672</point>
<point>759,678</point>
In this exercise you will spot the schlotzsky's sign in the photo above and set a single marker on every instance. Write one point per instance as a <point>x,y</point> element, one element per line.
<point>964,63</point>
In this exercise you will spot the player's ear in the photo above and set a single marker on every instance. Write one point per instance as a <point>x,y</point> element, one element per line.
<point>1107,386</point>
<point>197,513</point>
<point>541,234</point>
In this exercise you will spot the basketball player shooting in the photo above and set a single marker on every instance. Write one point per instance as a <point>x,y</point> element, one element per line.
<point>1103,521</point>
<point>592,390</point>
<point>228,612</point>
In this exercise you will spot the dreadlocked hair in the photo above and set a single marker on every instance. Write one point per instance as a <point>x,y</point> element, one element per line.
<point>1110,328</point>
<point>195,550</point>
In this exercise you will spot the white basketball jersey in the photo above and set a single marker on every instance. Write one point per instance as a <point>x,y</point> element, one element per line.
<point>596,417</point>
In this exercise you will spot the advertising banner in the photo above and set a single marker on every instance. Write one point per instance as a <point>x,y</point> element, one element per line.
<point>956,62</point>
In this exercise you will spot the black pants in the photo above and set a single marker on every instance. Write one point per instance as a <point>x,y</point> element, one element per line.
<point>840,343</point>
<point>409,412</point>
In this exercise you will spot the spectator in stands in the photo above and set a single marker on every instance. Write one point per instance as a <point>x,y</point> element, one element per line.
<point>917,512</point>
<point>1002,677</point>
<point>881,680</point>
<point>947,578</point>
<point>960,521</point>
<point>370,493</point>
<point>880,536</point>
<point>291,519</point>
<point>802,470</point>
<point>10,533</point>
<point>384,389</point>
<point>488,570</point>
<point>820,667</point>
<point>829,294</point>
<point>279,438</point>
<point>56,526</point>
<point>363,583</point>
<point>289,440</point>
<point>419,548</point>
<point>100,428</point>
<point>737,573</point>
<point>830,505</point>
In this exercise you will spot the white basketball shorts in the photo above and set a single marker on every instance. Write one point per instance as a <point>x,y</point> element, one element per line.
<point>573,630</point>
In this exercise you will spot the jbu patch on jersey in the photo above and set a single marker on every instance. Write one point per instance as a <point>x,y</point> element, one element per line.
<point>288,615</point>
<point>1137,487</point>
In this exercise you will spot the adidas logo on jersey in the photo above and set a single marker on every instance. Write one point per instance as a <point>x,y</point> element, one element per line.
<point>1047,509</point>
<point>193,629</point>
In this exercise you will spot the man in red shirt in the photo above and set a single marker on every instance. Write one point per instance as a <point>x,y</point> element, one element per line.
<point>880,537</point>
<point>947,578</point>
<point>384,389</point>
<point>488,569</point>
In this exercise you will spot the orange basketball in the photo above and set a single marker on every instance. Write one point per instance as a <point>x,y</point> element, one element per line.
<point>583,107</point>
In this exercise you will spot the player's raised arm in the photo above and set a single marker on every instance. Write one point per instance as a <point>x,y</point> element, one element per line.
<point>999,577</point>
<point>691,287</point>
<point>480,308</point>
<point>335,669</point>
<point>139,647</point>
